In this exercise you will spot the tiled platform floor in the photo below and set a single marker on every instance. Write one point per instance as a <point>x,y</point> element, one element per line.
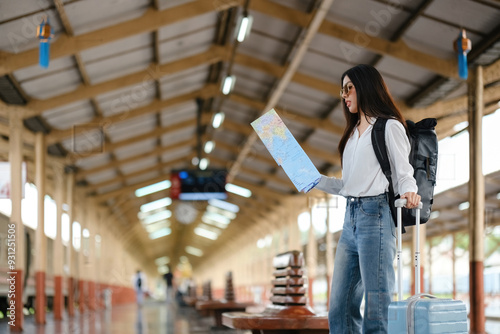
<point>152,318</point>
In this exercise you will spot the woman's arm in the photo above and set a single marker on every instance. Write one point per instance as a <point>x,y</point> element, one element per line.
<point>330,185</point>
<point>398,147</point>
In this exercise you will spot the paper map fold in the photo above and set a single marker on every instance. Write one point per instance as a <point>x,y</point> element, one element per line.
<point>287,152</point>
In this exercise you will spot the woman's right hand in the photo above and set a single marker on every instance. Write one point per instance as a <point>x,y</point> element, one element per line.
<point>412,199</point>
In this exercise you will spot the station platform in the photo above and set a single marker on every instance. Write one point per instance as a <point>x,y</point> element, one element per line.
<point>154,317</point>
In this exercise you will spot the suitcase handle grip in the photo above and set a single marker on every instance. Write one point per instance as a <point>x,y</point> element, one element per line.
<point>419,295</point>
<point>400,203</point>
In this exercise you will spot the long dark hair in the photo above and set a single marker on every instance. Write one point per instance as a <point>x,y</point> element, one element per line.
<point>373,98</point>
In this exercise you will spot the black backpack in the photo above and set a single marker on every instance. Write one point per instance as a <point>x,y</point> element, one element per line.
<point>139,282</point>
<point>423,158</point>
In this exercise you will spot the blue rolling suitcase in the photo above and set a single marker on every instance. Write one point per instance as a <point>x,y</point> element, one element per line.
<point>423,313</point>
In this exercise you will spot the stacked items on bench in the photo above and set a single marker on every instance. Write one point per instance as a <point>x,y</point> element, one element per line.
<point>289,311</point>
<point>217,307</point>
<point>192,298</point>
<point>206,297</point>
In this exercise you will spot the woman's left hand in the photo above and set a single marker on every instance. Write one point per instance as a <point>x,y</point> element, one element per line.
<point>412,199</point>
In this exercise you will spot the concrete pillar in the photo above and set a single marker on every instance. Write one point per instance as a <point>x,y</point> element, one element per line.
<point>312,258</point>
<point>97,257</point>
<point>41,239</point>
<point>90,264</point>
<point>58,245</point>
<point>476,200</point>
<point>81,257</point>
<point>70,183</point>
<point>16,253</point>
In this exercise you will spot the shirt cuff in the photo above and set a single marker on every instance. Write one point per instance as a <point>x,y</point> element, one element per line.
<point>330,185</point>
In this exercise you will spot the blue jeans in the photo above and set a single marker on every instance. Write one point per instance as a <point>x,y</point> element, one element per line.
<point>363,267</point>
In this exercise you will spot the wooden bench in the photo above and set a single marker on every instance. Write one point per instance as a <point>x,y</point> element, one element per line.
<point>289,311</point>
<point>228,304</point>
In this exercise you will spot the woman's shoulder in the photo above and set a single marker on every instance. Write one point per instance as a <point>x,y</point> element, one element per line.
<point>394,125</point>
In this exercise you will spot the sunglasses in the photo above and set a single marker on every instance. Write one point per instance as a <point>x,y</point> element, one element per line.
<point>346,89</point>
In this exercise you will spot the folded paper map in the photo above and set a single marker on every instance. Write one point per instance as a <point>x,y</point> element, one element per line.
<point>287,152</point>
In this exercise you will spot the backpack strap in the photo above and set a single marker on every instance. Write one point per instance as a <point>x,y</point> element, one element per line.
<point>380,148</point>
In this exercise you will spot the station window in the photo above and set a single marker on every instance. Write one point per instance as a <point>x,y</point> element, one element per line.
<point>76,235</point>
<point>50,217</point>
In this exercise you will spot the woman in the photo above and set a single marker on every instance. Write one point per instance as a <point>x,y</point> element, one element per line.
<point>367,246</point>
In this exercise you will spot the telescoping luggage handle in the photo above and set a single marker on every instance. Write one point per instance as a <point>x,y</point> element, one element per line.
<point>400,203</point>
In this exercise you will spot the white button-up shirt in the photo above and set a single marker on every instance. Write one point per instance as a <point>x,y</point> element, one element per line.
<point>361,171</point>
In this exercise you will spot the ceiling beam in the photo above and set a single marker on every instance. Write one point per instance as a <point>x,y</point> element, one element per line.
<point>445,126</point>
<point>264,192</point>
<point>105,122</point>
<point>317,17</point>
<point>263,176</point>
<point>492,73</point>
<point>358,40</point>
<point>130,188</point>
<point>277,71</point>
<point>287,113</point>
<point>81,174</point>
<point>235,150</point>
<point>152,20</point>
<point>331,157</point>
<point>153,72</point>
<point>447,107</point>
<point>109,147</point>
<point>124,177</point>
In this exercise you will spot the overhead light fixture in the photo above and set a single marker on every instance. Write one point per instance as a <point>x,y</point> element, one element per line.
<point>245,25</point>
<point>217,120</point>
<point>463,206</point>
<point>202,232</point>
<point>157,216</point>
<point>162,270</point>
<point>228,214</point>
<point>209,147</point>
<point>162,260</point>
<point>195,161</point>
<point>85,233</point>
<point>212,222</point>
<point>157,226</point>
<point>152,188</point>
<point>224,205</point>
<point>160,233</point>
<point>194,251</point>
<point>204,163</point>
<point>228,84</point>
<point>216,217</point>
<point>244,192</point>
<point>156,204</point>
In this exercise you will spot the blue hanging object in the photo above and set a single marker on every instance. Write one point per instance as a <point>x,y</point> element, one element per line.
<point>44,34</point>
<point>44,54</point>
<point>462,47</point>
